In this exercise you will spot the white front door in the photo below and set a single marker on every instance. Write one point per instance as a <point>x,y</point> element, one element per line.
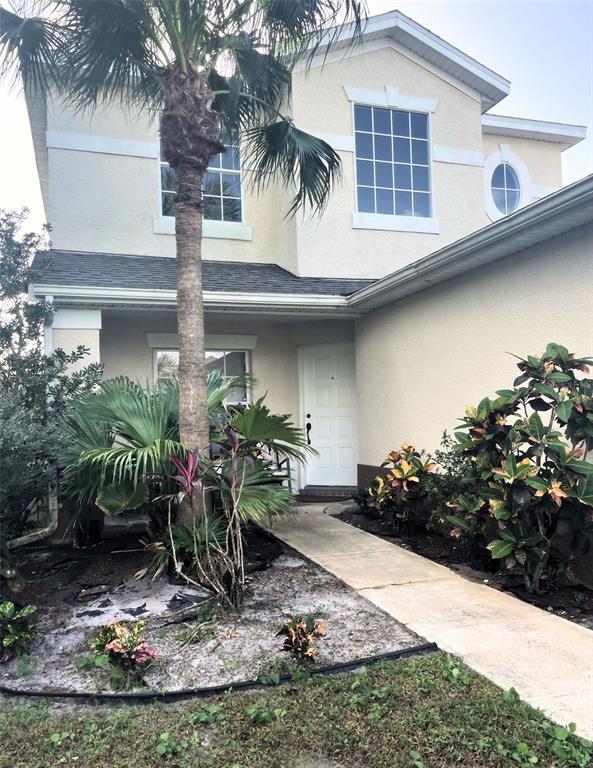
<point>329,415</point>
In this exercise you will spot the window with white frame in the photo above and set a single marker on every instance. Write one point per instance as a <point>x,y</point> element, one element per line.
<point>506,188</point>
<point>392,161</point>
<point>228,363</point>
<point>221,186</point>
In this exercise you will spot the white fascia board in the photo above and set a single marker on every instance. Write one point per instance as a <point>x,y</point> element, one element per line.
<point>479,246</point>
<point>539,130</point>
<point>429,46</point>
<point>160,297</point>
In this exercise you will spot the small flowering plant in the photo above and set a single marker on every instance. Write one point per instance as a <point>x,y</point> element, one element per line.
<point>122,645</point>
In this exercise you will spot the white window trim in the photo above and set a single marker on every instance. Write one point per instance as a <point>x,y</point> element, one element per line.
<point>396,223</point>
<point>225,342</point>
<point>420,224</point>
<point>211,228</point>
<point>504,155</point>
<point>390,96</point>
<point>222,230</point>
<point>246,352</point>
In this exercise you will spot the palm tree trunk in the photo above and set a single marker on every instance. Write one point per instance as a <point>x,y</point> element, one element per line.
<point>193,410</point>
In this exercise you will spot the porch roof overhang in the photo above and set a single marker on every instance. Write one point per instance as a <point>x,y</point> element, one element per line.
<point>267,289</point>
<point>558,213</point>
<point>238,302</point>
<point>118,281</point>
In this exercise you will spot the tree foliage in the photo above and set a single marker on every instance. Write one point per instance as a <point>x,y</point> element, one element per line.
<point>35,388</point>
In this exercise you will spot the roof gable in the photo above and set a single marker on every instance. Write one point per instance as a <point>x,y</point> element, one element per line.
<point>396,26</point>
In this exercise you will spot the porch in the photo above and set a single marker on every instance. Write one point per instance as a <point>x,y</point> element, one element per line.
<point>305,367</point>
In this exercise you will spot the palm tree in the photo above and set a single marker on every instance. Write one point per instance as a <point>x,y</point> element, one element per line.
<point>212,68</point>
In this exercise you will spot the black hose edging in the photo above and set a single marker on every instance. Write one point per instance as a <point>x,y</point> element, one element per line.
<point>212,690</point>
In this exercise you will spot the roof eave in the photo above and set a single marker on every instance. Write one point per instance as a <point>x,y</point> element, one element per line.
<point>565,134</point>
<point>219,301</point>
<point>559,212</point>
<point>401,28</point>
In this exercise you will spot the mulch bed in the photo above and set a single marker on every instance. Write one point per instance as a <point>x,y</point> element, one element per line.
<point>78,591</point>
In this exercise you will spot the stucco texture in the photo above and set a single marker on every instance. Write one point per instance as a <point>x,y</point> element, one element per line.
<point>542,158</point>
<point>421,360</point>
<point>97,201</point>
<point>273,361</point>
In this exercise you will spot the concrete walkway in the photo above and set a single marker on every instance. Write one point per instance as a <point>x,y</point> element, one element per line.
<point>548,660</point>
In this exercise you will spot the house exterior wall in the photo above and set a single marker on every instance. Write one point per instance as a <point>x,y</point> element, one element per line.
<point>100,175</point>
<point>542,158</point>
<point>421,360</point>
<point>273,361</point>
<point>69,339</point>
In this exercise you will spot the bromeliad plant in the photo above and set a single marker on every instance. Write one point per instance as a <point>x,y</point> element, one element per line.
<point>16,629</point>
<point>533,491</point>
<point>399,490</point>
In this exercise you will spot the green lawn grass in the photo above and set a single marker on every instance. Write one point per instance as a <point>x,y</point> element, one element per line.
<point>429,712</point>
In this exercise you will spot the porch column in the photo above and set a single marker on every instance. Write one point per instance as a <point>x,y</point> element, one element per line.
<point>72,327</point>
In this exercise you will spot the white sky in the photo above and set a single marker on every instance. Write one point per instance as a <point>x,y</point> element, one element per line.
<point>544,48</point>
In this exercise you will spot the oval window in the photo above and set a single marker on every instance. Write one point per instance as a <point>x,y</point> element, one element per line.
<point>506,190</point>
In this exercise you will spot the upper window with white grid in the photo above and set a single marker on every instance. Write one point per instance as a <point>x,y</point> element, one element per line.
<point>221,186</point>
<point>392,162</point>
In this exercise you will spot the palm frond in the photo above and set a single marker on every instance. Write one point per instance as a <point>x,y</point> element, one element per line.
<point>297,28</point>
<point>31,48</point>
<point>113,52</point>
<point>304,162</point>
<point>257,426</point>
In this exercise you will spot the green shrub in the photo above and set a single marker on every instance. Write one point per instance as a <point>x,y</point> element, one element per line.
<point>124,451</point>
<point>399,490</point>
<point>35,388</point>
<point>16,629</point>
<point>533,490</point>
<point>451,478</point>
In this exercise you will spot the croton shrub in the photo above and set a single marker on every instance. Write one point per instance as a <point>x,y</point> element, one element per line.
<point>398,491</point>
<point>121,646</point>
<point>532,488</point>
<point>16,629</point>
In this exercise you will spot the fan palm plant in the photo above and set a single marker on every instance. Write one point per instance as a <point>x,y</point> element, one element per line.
<point>122,437</point>
<point>211,68</point>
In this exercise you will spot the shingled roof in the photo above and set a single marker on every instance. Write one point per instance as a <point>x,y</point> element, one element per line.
<point>111,270</point>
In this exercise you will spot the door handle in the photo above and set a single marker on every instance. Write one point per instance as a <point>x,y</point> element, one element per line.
<point>308,429</point>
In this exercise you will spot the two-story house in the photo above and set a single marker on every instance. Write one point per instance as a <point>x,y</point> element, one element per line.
<point>373,323</point>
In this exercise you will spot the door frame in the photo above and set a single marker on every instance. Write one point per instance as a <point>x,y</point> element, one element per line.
<point>302,468</point>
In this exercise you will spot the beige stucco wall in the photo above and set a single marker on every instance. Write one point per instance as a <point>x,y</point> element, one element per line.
<point>320,105</point>
<point>100,201</point>
<point>542,158</point>
<point>69,339</point>
<point>273,361</point>
<point>422,360</point>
